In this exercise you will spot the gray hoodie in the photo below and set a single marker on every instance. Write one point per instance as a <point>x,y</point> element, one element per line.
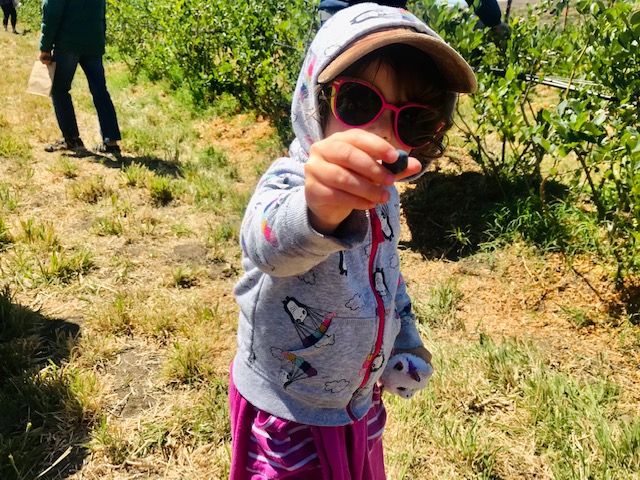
<point>319,315</point>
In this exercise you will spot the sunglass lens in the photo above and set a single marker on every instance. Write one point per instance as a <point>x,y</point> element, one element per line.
<point>416,125</point>
<point>356,104</point>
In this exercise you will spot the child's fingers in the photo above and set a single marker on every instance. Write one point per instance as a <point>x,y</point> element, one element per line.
<point>329,183</point>
<point>359,151</point>
<point>368,142</point>
<point>336,201</point>
<point>329,206</point>
<point>400,165</point>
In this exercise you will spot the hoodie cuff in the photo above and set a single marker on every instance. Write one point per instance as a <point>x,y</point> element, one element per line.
<point>408,338</point>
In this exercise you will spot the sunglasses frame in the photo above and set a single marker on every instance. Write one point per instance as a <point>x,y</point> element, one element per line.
<point>335,90</point>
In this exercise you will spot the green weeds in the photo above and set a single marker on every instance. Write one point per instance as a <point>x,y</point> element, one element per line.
<point>66,167</point>
<point>189,362</point>
<point>5,235</point>
<point>183,278</point>
<point>499,409</point>
<point>109,226</point>
<point>136,175</point>
<point>440,310</point>
<point>161,190</point>
<point>46,408</point>
<point>8,200</point>
<point>10,147</point>
<point>91,190</point>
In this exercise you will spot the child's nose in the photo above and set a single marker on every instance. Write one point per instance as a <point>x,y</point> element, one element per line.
<point>383,126</point>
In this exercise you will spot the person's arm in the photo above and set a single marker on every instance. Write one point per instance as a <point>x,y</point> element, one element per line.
<point>276,234</point>
<point>52,12</point>
<point>488,11</point>
<point>388,3</point>
<point>332,5</point>
<point>45,57</point>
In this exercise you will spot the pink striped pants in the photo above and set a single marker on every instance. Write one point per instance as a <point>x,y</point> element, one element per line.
<point>268,447</point>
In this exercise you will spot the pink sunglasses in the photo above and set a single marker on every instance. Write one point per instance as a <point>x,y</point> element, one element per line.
<point>355,103</point>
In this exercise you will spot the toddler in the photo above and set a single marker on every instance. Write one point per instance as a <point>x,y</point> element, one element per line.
<point>323,303</point>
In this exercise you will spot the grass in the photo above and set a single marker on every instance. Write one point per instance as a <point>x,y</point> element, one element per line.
<point>499,410</point>
<point>117,319</point>
<point>441,308</point>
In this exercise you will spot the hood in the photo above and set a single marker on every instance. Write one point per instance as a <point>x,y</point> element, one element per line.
<point>337,34</point>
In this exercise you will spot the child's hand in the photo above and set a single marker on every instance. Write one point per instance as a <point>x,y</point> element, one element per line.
<point>344,173</point>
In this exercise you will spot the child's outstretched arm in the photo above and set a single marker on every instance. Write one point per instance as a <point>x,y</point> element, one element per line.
<point>276,236</point>
<point>344,173</point>
<point>291,223</point>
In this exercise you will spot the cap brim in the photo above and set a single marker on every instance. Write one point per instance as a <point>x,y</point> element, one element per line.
<point>456,72</point>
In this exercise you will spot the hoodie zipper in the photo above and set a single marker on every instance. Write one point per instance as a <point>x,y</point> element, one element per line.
<point>377,238</point>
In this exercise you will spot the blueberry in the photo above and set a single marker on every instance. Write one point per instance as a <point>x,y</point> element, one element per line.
<point>400,165</point>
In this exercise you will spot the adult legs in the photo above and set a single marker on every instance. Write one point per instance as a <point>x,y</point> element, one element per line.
<point>9,11</point>
<point>94,70</point>
<point>66,65</point>
<point>14,18</point>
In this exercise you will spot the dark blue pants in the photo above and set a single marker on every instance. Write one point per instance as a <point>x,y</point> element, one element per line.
<point>66,66</point>
<point>9,12</point>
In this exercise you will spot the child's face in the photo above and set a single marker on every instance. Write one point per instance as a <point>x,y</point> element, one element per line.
<point>382,77</point>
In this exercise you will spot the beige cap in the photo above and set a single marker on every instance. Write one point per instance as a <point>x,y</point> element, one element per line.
<point>457,73</point>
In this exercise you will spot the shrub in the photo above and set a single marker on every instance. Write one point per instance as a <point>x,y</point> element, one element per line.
<point>250,49</point>
<point>584,135</point>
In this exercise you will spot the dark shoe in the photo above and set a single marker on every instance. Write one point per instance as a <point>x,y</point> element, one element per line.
<point>105,148</point>
<point>61,145</point>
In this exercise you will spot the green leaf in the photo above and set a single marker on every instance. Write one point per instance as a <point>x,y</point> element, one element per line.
<point>510,74</point>
<point>562,106</point>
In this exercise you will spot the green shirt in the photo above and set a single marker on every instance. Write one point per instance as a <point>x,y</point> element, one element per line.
<point>74,26</point>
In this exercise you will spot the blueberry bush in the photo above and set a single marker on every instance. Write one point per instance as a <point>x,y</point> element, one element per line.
<point>582,135</point>
<point>247,49</point>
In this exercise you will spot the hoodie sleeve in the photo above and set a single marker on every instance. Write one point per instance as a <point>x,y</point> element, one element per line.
<point>276,235</point>
<point>408,337</point>
<point>52,11</point>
